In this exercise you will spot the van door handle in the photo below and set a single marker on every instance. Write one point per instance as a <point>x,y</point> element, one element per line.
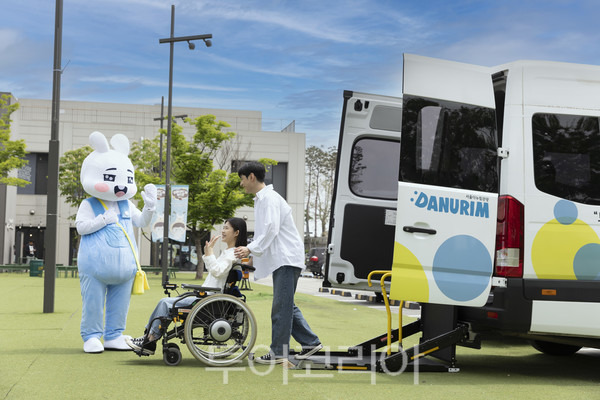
<point>415,229</point>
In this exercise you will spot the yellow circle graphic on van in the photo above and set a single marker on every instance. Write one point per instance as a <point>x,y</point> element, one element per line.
<point>566,247</point>
<point>409,281</point>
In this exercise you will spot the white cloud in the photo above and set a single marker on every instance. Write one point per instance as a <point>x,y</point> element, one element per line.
<point>346,22</point>
<point>8,39</point>
<point>129,80</point>
<point>288,69</point>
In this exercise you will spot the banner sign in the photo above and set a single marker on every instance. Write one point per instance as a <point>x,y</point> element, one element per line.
<point>178,216</point>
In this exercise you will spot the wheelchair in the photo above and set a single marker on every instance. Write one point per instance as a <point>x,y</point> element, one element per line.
<point>218,328</point>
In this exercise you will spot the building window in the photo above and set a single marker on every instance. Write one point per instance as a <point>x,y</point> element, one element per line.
<point>566,154</point>
<point>276,175</point>
<point>36,172</point>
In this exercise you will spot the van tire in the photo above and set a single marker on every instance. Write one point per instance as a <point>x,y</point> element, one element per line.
<point>555,349</point>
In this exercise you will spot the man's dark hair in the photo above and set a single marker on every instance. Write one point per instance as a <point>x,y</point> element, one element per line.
<point>253,167</point>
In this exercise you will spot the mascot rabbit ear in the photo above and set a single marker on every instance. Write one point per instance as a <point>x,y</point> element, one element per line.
<point>120,143</point>
<point>99,142</point>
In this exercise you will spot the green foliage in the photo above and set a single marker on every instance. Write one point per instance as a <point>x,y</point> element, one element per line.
<point>11,151</point>
<point>69,180</point>
<point>320,173</point>
<point>214,194</point>
<point>145,156</point>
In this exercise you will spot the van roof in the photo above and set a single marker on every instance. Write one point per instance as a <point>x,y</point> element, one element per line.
<point>554,84</point>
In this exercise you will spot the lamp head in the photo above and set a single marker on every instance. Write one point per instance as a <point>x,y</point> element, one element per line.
<point>191,45</point>
<point>207,42</point>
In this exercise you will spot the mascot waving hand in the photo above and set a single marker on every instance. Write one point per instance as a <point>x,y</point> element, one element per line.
<point>105,260</point>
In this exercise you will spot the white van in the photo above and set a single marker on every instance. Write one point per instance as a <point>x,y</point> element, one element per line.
<point>488,202</point>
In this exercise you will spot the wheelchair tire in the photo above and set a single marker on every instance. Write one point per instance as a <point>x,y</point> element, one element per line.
<point>171,355</point>
<point>220,330</point>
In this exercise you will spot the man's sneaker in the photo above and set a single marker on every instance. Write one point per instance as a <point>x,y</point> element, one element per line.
<point>270,359</point>
<point>308,351</point>
<point>139,346</point>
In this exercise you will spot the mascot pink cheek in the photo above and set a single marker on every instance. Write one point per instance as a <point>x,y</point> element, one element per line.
<point>101,187</point>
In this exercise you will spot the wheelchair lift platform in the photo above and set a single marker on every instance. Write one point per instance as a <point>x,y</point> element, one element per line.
<point>436,351</point>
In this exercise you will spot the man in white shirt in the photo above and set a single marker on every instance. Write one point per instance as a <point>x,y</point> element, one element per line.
<point>277,249</point>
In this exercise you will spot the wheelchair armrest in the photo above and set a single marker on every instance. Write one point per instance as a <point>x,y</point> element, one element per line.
<point>246,267</point>
<point>200,288</point>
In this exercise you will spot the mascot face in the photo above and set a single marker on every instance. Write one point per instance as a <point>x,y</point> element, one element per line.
<point>108,173</point>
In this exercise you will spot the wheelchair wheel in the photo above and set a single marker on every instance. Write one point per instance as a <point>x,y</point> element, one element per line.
<point>220,330</point>
<point>171,355</point>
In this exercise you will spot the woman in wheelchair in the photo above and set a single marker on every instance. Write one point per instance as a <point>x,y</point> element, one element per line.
<point>234,234</point>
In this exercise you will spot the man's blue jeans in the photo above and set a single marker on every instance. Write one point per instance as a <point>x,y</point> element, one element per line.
<point>287,319</point>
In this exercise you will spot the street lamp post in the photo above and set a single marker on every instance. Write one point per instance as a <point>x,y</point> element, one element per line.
<point>53,163</point>
<point>167,209</point>
<point>161,119</point>
<point>160,164</point>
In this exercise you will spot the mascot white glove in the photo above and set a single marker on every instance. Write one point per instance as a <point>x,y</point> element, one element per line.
<point>149,197</point>
<point>110,217</point>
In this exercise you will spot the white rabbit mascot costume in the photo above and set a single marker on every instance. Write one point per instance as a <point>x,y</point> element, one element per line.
<point>105,260</point>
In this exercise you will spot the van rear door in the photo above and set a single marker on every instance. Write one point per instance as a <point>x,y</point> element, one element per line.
<point>361,229</point>
<point>448,184</point>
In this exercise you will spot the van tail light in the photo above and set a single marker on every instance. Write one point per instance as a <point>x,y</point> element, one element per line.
<point>509,238</point>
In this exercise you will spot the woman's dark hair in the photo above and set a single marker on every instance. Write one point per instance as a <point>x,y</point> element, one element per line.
<point>239,224</point>
<point>253,167</point>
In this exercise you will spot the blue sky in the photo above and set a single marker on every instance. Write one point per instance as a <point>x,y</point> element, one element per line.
<point>289,59</point>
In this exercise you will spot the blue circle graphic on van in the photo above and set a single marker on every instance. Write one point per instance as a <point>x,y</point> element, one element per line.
<point>565,212</point>
<point>585,263</point>
<point>462,268</point>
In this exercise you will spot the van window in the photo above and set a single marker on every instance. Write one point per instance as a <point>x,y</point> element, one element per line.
<point>566,153</point>
<point>374,168</point>
<point>449,144</point>
<point>386,118</point>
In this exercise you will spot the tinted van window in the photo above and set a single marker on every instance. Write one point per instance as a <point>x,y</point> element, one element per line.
<point>374,168</point>
<point>386,118</point>
<point>449,144</point>
<point>566,152</point>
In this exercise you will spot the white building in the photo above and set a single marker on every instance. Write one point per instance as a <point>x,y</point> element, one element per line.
<point>23,210</point>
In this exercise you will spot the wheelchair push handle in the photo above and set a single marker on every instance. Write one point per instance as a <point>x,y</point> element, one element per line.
<point>245,267</point>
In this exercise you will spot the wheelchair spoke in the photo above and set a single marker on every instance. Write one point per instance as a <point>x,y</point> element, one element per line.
<point>222,330</point>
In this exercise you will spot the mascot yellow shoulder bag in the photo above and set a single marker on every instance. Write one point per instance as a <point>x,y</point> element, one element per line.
<point>140,283</point>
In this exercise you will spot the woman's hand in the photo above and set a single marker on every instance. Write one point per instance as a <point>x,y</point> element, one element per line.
<point>209,246</point>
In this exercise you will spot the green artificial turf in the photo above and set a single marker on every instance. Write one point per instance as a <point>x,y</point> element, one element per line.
<point>41,357</point>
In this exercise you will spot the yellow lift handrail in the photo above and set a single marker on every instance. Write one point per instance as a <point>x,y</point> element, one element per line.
<point>385,275</point>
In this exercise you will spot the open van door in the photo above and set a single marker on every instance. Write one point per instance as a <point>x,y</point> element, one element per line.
<point>363,211</point>
<point>448,184</point>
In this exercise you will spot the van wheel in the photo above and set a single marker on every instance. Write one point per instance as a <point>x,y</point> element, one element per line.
<point>555,349</point>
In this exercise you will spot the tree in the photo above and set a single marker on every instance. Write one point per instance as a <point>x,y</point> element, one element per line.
<point>320,172</point>
<point>69,180</point>
<point>145,156</point>
<point>214,194</point>
<point>311,161</point>
<point>326,188</point>
<point>11,151</point>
